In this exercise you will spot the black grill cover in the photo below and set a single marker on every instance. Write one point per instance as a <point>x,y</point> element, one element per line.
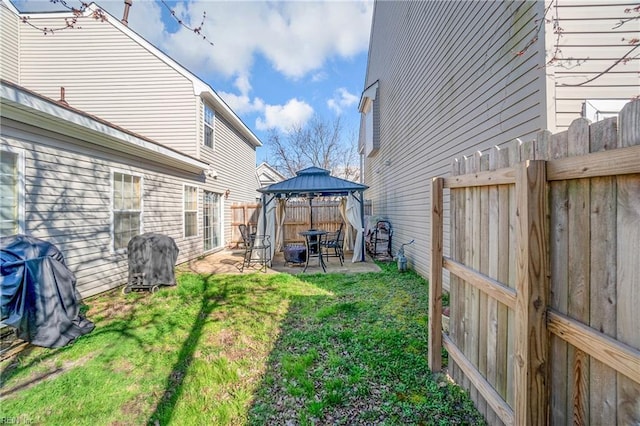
<point>153,256</point>
<point>39,296</point>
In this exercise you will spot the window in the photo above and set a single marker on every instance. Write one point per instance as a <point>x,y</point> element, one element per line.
<point>370,110</point>
<point>127,208</point>
<point>599,109</point>
<point>190,211</point>
<point>211,219</point>
<point>208,126</point>
<point>11,191</point>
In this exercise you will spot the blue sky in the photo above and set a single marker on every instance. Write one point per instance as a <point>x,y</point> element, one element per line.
<point>276,63</point>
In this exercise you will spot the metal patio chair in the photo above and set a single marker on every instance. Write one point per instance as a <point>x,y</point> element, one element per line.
<point>334,241</point>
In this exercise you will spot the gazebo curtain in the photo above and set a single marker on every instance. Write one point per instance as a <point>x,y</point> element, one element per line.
<point>280,217</point>
<point>348,243</point>
<point>354,214</point>
<point>269,228</point>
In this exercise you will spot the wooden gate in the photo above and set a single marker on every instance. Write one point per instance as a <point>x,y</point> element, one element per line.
<point>544,276</point>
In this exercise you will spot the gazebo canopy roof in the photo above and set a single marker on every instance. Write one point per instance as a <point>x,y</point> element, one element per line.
<point>313,180</point>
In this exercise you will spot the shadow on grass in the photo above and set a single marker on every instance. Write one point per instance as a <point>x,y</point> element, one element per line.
<point>18,363</point>
<point>174,383</point>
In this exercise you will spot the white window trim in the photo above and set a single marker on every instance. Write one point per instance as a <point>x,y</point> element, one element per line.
<point>205,105</point>
<point>221,206</point>
<point>184,223</point>
<point>21,184</point>
<point>112,213</point>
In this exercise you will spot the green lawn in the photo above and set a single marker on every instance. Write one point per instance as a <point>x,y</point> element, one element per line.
<point>244,349</point>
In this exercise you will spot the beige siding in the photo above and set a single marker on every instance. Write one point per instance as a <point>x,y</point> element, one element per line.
<point>234,159</point>
<point>107,74</point>
<point>68,202</point>
<point>588,35</point>
<point>450,83</point>
<point>9,37</point>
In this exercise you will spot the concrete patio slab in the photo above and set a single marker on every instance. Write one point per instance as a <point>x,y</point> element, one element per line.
<point>230,262</point>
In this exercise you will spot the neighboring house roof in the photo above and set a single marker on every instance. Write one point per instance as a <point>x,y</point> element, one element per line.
<point>200,88</point>
<point>314,180</point>
<point>267,175</point>
<point>21,105</point>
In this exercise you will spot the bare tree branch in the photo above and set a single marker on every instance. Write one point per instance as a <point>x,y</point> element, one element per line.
<point>196,30</point>
<point>319,143</point>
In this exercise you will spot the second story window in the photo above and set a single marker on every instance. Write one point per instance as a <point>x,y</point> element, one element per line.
<point>209,115</point>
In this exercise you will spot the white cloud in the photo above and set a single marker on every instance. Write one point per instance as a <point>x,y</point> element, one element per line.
<point>295,37</point>
<point>284,117</point>
<point>341,100</point>
<point>242,104</point>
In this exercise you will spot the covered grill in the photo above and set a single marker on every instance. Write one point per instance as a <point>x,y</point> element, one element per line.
<point>152,258</point>
<point>39,297</point>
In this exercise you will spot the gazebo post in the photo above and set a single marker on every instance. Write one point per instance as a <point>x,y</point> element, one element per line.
<point>264,214</point>
<point>362,222</point>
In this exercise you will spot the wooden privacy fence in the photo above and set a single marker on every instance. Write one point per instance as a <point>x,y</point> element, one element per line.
<point>544,273</point>
<point>326,215</point>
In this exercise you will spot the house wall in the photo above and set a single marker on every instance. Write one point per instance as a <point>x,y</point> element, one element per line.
<point>130,86</point>
<point>67,198</point>
<point>589,36</point>
<point>233,158</point>
<point>450,83</point>
<point>108,74</point>
<point>9,36</point>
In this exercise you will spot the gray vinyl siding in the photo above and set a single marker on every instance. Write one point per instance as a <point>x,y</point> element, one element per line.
<point>68,203</point>
<point>589,34</point>
<point>234,160</point>
<point>450,84</point>
<point>108,74</point>
<point>9,36</point>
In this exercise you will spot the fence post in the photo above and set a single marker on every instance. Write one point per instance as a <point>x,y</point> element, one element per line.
<point>435,278</point>
<point>532,283</point>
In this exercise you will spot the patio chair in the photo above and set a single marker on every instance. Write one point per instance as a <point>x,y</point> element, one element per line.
<point>335,241</point>
<point>244,234</point>
<point>258,252</point>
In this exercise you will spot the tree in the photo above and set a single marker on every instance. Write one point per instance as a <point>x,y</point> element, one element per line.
<point>318,143</point>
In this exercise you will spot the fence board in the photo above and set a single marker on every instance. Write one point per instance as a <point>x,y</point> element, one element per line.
<point>493,322</point>
<point>470,329</point>
<point>559,297</point>
<point>435,279</point>
<point>483,266</point>
<point>513,153</point>
<point>628,272</point>
<point>530,381</point>
<point>456,299</point>
<point>578,304</point>
<point>602,379</point>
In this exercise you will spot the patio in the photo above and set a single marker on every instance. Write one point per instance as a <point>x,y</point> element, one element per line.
<point>230,262</point>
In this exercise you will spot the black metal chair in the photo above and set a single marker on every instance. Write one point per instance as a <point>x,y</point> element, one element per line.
<point>334,241</point>
<point>244,234</point>
<point>257,252</point>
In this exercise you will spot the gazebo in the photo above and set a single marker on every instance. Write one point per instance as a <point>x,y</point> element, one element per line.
<point>310,183</point>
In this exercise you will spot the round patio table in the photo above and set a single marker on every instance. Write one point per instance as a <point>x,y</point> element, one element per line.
<point>312,240</point>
